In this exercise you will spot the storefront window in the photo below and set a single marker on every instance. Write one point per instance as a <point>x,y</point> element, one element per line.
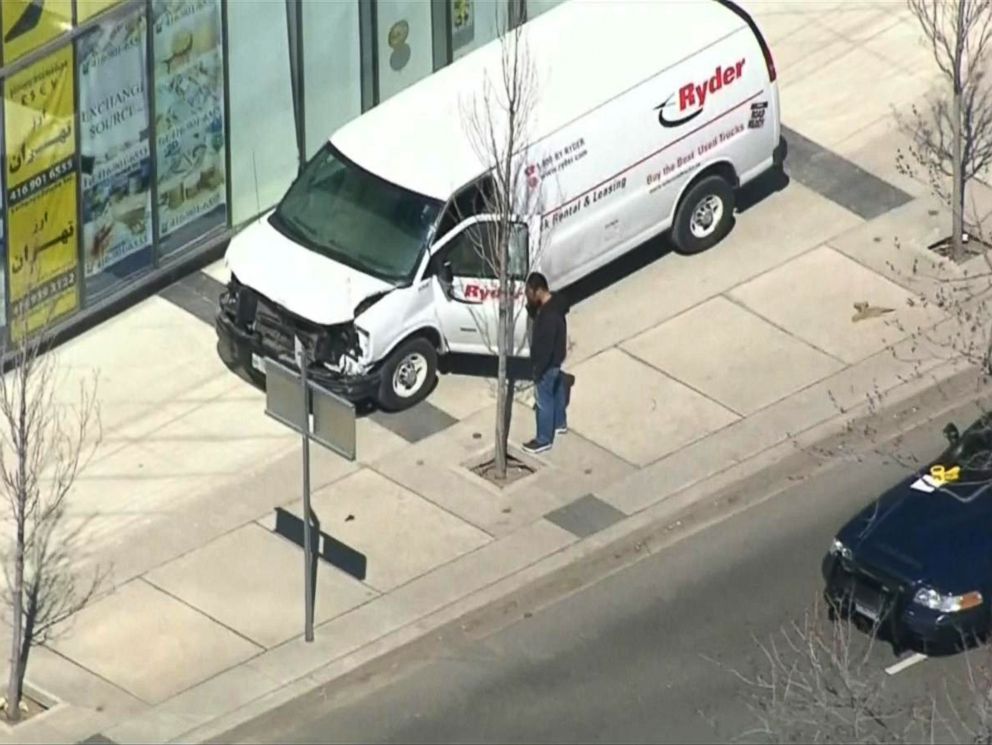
<point>86,9</point>
<point>43,257</point>
<point>332,76</point>
<point>27,24</point>
<point>536,7</point>
<point>189,121</point>
<point>115,160</point>
<point>405,44</point>
<point>3,256</point>
<point>262,128</point>
<point>475,23</point>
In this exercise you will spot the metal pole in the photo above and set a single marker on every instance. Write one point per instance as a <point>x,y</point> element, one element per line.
<point>302,361</point>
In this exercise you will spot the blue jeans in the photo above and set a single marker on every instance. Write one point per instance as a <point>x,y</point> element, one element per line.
<point>550,395</point>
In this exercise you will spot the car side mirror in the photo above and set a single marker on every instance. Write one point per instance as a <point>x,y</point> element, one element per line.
<point>951,433</point>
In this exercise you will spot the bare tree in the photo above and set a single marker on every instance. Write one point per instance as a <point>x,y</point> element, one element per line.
<point>498,122</point>
<point>816,681</point>
<point>819,680</point>
<point>953,135</point>
<point>44,443</point>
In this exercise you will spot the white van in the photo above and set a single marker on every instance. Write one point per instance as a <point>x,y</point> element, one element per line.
<point>650,115</point>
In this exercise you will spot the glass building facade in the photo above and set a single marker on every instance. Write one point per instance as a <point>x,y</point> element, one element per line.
<point>138,134</point>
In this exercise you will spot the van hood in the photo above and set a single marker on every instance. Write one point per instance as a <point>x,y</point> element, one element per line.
<point>302,281</point>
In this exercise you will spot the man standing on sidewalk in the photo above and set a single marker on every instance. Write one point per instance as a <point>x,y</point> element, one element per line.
<point>547,354</point>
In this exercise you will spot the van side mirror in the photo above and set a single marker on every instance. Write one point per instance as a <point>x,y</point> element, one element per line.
<point>445,274</point>
<point>951,433</point>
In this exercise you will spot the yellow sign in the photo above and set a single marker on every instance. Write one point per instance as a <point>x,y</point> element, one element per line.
<point>27,24</point>
<point>43,258</point>
<point>942,475</point>
<point>42,255</point>
<point>86,9</point>
<point>40,122</point>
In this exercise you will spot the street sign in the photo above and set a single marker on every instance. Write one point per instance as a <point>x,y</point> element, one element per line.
<point>293,399</point>
<point>284,396</point>
<point>332,421</point>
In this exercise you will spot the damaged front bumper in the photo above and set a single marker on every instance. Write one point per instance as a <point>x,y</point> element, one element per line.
<point>246,337</point>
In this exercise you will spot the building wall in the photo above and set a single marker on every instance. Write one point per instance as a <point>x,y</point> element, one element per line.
<point>134,131</point>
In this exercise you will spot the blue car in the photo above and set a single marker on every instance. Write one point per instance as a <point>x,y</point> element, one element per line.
<point>916,564</point>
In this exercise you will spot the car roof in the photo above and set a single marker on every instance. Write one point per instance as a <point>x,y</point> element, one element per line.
<point>598,49</point>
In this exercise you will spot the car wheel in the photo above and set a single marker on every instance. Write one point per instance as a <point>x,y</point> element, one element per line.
<point>704,216</point>
<point>408,375</point>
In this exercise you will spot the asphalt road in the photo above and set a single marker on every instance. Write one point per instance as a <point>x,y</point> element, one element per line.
<point>643,656</point>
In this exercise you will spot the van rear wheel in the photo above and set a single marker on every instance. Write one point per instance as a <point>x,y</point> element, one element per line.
<point>704,216</point>
<point>408,375</point>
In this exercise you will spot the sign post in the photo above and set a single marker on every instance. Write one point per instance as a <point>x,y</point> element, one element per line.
<point>290,398</point>
<point>302,362</point>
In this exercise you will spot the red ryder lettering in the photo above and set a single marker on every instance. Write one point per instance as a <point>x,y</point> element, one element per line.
<point>695,95</point>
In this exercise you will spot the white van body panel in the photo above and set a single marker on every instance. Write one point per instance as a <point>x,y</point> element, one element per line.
<point>302,281</point>
<point>643,97</point>
<point>585,53</point>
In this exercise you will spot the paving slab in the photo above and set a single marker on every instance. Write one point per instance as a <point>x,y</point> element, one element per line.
<point>804,51</point>
<point>85,702</point>
<point>354,636</point>
<point>167,531</point>
<point>585,516</point>
<point>218,271</point>
<point>802,220</point>
<point>821,108</point>
<point>876,148</point>
<point>840,180</point>
<point>183,351</point>
<point>772,426</point>
<point>896,246</point>
<point>859,23</point>
<point>734,356</point>
<point>149,643</point>
<point>232,688</point>
<point>638,412</point>
<point>813,298</point>
<point>781,20</point>
<point>463,395</point>
<point>436,470</point>
<point>401,534</point>
<point>415,424</point>
<point>902,45</point>
<point>251,580</point>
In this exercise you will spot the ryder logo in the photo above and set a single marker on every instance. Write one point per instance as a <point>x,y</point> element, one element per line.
<point>692,96</point>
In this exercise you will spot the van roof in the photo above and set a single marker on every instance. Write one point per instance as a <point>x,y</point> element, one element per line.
<point>418,138</point>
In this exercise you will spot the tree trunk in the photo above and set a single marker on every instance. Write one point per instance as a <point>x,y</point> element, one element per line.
<point>17,624</point>
<point>502,390</point>
<point>957,187</point>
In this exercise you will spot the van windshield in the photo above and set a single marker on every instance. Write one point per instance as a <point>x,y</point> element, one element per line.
<point>351,216</point>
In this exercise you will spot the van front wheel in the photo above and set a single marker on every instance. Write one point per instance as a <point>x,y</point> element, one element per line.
<point>408,375</point>
<point>705,215</point>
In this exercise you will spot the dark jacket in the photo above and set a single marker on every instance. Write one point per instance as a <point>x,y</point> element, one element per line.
<point>549,335</point>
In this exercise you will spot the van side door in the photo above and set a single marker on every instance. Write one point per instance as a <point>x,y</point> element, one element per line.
<point>466,288</point>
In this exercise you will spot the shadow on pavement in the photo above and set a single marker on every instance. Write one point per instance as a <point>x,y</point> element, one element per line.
<point>328,548</point>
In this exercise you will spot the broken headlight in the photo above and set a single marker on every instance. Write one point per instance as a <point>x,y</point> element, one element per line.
<point>334,343</point>
<point>240,303</point>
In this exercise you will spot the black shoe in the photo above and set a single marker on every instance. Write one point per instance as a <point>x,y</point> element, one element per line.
<point>562,430</point>
<point>536,447</point>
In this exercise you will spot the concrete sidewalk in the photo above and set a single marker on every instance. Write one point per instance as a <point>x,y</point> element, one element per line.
<point>689,372</point>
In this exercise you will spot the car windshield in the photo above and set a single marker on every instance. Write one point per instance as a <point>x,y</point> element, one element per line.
<point>351,216</point>
<point>973,451</point>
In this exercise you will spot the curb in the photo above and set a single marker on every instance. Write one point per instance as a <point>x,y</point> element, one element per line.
<point>719,497</point>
